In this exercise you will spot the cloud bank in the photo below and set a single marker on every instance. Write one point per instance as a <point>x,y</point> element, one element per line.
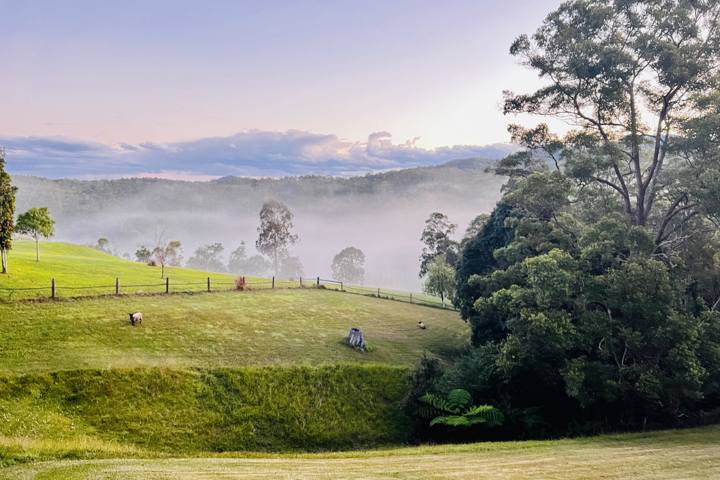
<point>248,153</point>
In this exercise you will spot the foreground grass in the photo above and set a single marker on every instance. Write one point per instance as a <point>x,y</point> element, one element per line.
<point>683,454</point>
<point>219,330</point>
<point>76,267</point>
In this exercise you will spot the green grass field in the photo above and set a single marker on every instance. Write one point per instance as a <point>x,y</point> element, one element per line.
<point>668,455</point>
<point>208,378</point>
<point>80,271</point>
<point>219,330</point>
<point>76,267</point>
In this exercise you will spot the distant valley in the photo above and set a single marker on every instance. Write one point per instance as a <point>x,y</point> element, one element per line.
<point>382,214</point>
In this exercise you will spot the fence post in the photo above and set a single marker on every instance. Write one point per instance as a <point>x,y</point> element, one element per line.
<point>300,282</point>
<point>273,282</point>
<point>167,284</point>
<point>378,292</point>
<point>341,287</point>
<point>410,297</point>
<point>318,282</point>
<point>52,288</point>
<point>208,284</point>
<point>117,286</point>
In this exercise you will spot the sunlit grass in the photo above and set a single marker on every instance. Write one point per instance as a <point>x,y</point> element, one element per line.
<point>220,330</point>
<point>75,267</point>
<point>669,455</point>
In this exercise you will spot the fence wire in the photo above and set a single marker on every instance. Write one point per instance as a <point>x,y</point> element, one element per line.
<point>58,290</point>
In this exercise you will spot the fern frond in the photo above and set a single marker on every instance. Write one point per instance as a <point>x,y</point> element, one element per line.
<point>486,414</point>
<point>433,401</point>
<point>458,400</point>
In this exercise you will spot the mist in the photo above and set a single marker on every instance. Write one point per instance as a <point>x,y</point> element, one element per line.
<point>381,214</point>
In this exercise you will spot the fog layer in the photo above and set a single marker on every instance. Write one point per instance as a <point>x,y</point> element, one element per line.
<point>382,214</point>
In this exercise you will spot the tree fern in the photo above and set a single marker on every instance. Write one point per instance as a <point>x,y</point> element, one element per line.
<point>456,411</point>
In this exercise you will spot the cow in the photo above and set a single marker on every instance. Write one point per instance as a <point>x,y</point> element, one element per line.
<point>135,318</point>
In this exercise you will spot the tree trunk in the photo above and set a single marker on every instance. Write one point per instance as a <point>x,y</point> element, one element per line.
<point>162,270</point>
<point>3,254</point>
<point>275,262</point>
<point>37,249</point>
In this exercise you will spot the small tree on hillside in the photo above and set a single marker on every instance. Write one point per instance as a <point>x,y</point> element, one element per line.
<point>166,253</point>
<point>143,254</point>
<point>440,279</point>
<point>241,264</point>
<point>37,223</point>
<point>208,258</point>
<point>275,232</point>
<point>7,211</point>
<point>437,241</point>
<point>348,265</point>
<point>103,244</point>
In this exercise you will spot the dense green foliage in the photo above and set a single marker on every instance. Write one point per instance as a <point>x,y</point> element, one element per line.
<point>592,290</point>
<point>7,212</point>
<point>184,411</point>
<point>456,410</point>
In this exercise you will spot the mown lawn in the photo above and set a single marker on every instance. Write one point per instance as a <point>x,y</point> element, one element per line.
<point>219,330</point>
<point>667,455</point>
<point>76,267</point>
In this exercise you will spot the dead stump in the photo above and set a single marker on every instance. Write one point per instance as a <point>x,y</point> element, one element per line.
<point>356,339</point>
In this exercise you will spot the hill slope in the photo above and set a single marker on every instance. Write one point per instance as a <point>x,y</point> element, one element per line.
<point>76,267</point>
<point>220,330</point>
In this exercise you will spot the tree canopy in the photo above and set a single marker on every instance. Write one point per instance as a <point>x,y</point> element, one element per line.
<point>592,290</point>
<point>38,224</point>
<point>275,233</point>
<point>437,241</point>
<point>349,265</point>
<point>639,81</point>
<point>208,258</point>
<point>7,212</point>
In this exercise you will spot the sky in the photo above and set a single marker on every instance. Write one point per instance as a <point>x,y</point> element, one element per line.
<point>200,89</point>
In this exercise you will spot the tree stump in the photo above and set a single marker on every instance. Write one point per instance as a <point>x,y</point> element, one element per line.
<point>355,339</point>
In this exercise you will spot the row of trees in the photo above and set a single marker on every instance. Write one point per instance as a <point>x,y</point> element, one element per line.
<point>592,290</point>
<point>275,237</point>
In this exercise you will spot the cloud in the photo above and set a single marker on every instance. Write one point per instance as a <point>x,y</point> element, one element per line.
<point>247,153</point>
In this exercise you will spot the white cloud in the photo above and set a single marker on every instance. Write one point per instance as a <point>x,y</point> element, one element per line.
<point>247,153</point>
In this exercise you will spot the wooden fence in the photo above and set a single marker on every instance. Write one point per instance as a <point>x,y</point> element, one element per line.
<point>56,290</point>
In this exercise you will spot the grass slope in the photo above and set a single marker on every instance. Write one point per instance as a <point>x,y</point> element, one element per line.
<point>219,330</point>
<point>669,455</point>
<point>101,413</point>
<point>76,266</point>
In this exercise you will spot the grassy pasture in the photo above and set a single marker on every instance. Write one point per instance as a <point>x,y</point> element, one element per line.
<point>76,267</point>
<point>667,455</point>
<point>219,330</point>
